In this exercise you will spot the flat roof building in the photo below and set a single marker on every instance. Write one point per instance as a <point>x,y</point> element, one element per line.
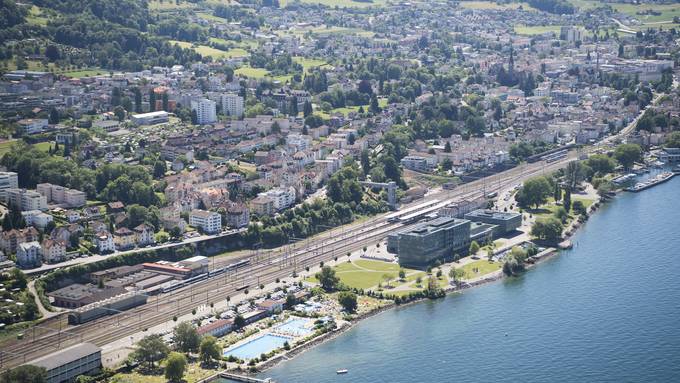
<point>439,238</point>
<point>151,118</point>
<point>67,364</point>
<point>506,221</point>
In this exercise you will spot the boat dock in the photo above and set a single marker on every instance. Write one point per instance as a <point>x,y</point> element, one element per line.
<point>243,378</point>
<point>640,186</point>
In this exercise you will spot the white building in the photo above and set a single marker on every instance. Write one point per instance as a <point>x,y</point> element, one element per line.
<point>232,105</point>
<point>282,197</point>
<point>29,254</point>
<point>8,180</point>
<point>26,199</point>
<point>61,195</point>
<point>208,221</point>
<point>37,218</point>
<point>206,111</point>
<point>53,251</point>
<point>151,118</point>
<point>32,125</point>
<point>104,242</point>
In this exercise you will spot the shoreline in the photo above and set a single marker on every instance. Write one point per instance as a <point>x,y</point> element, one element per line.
<point>495,276</point>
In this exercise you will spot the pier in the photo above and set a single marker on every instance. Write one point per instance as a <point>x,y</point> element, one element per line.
<point>243,378</point>
<point>663,177</point>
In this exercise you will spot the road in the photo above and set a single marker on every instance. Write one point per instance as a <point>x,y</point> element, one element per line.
<point>266,267</point>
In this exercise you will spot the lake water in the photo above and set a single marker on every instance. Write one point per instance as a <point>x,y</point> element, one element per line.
<point>606,311</point>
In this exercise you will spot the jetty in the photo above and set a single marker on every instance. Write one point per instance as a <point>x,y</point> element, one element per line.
<point>243,378</point>
<point>640,186</point>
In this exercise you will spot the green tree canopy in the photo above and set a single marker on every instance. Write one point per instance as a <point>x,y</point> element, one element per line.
<point>327,278</point>
<point>175,366</point>
<point>209,350</point>
<point>348,301</point>
<point>534,192</point>
<point>24,374</point>
<point>186,337</point>
<point>151,349</point>
<point>628,154</point>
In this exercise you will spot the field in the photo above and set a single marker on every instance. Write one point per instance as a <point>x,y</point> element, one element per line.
<point>169,5</point>
<point>342,3</point>
<point>252,72</point>
<point>5,147</point>
<point>35,16</point>
<point>536,30</point>
<point>493,5</point>
<point>327,30</point>
<point>308,64</point>
<point>364,274</point>
<point>382,102</point>
<point>667,11</point>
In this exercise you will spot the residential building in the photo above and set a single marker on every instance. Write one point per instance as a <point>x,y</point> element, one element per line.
<point>281,196</point>
<point>32,125</point>
<point>67,364</point>
<point>104,242</point>
<point>262,205</point>
<point>415,163</point>
<point>10,240</point>
<point>37,218</point>
<point>238,216</point>
<point>232,104</point>
<point>29,254</point>
<point>26,199</point>
<point>8,180</point>
<point>208,221</point>
<point>124,238</point>
<point>61,195</point>
<point>217,328</point>
<point>206,111</point>
<point>53,251</point>
<point>145,235</point>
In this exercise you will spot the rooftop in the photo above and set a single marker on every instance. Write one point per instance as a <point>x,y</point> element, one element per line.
<point>65,356</point>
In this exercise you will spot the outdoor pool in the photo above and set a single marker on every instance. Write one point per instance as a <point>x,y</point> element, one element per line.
<point>296,327</point>
<point>258,346</point>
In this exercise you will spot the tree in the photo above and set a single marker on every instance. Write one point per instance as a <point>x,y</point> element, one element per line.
<point>566,202</point>
<point>327,278</point>
<point>579,207</point>
<point>307,109</point>
<point>159,169</point>
<point>54,116</point>
<point>175,366</point>
<point>151,349</point>
<point>447,147</point>
<point>365,161</point>
<point>574,173</point>
<point>239,321</point>
<point>26,373</point>
<point>514,262</point>
<point>561,214</point>
<point>209,350</point>
<point>456,275</point>
<point>673,140</point>
<point>474,247</point>
<point>402,274</point>
<point>535,191</point>
<point>186,337</point>
<point>549,229</point>
<point>628,154</point>
<point>165,101</point>
<point>348,301</point>
<point>601,163</point>
<point>138,99</point>
<point>558,192</point>
<point>119,112</point>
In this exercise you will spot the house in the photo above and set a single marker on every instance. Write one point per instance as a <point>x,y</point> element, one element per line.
<point>124,238</point>
<point>271,306</point>
<point>238,216</point>
<point>262,205</point>
<point>72,216</point>
<point>29,254</point>
<point>36,218</point>
<point>104,242</point>
<point>10,240</point>
<point>208,221</point>
<point>53,251</point>
<point>145,235</point>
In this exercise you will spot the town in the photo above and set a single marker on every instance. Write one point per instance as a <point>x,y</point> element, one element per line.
<point>258,176</point>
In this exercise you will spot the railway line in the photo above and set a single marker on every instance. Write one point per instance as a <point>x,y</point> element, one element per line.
<point>266,267</point>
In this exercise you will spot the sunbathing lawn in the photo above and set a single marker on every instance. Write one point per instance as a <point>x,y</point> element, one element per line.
<point>484,266</point>
<point>355,275</point>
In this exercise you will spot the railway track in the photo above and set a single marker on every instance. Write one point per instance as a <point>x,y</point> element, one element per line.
<point>267,268</point>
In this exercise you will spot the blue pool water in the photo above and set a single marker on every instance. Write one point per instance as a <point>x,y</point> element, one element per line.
<point>606,311</point>
<point>296,327</point>
<point>258,346</point>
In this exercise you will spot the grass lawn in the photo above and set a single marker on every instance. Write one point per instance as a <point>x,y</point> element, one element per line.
<point>309,64</point>
<point>377,265</point>
<point>169,5</point>
<point>668,11</point>
<point>482,266</point>
<point>364,274</point>
<point>35,16</point>
<point>251,72</point>
<point>193,373</point>
<point>43,146</point>
<point>536,30</point>
<point>182,44</point>
<point>6,146</point>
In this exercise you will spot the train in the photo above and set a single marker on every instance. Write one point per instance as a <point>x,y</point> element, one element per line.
<point>553,157</point>
<point>174,285</point>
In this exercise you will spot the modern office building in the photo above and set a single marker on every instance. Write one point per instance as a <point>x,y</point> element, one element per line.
<point>67,364</point>
<point>206,111</point>
<point>232,104</point>
<point>506,221</point>
<point>439,238</point>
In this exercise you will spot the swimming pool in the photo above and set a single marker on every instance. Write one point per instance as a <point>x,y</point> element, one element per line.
<point>258,346</point>
<point>296,327</point>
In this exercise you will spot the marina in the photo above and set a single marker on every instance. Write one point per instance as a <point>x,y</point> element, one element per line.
<point>660,178</point>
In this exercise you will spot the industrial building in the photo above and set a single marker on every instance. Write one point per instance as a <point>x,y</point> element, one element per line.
<point>109,306</point>
<point>78,295</point>
<point>67,364</point>
<point>151,118</point>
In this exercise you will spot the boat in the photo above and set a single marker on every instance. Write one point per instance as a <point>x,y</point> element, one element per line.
<point>343,371</point>
<point>640,186</point>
